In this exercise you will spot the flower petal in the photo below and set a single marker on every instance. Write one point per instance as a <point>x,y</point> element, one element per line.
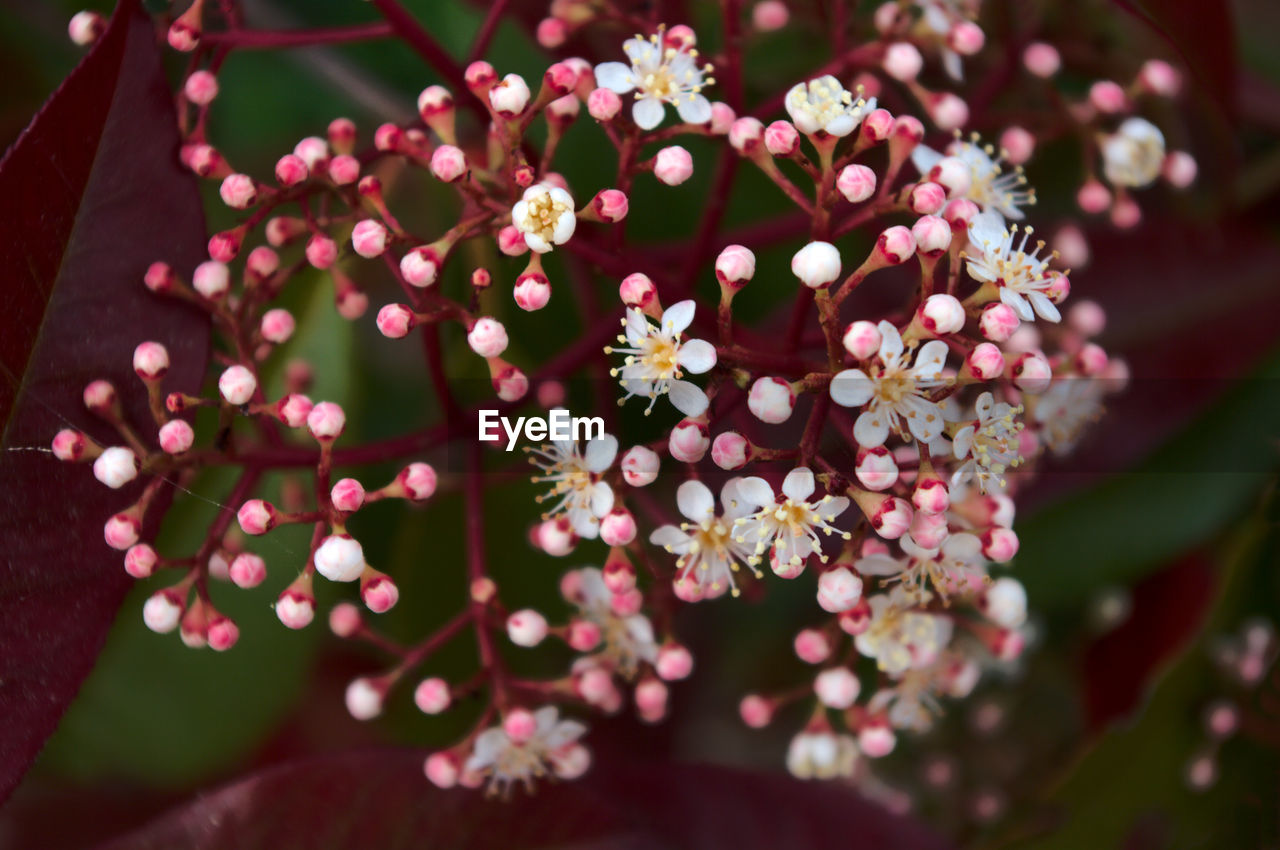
<point>678,316</point>
<point>755,491</point>
<point>687,398</point>
<point>601,498</point>
<point>851,388</point>
<point>694,109</point>
<point>600,453</point>
<point>871,429</point>
<point>890,342</point>
<point>695,501</point>
<point>799,484</point>
<point>614,76</point>
<point>924,158</point>
<point>697,356</point>
<point>931,358</point>
<point>647,113</point>
<point>925,418</point>
<point>1044,308</point>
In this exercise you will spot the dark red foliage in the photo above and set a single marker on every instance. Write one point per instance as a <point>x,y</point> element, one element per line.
<point>93,192</point>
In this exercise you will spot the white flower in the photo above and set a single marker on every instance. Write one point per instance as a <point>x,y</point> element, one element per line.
<point>894,390</point>
<point>938,17</point>
<point>991,444</point>
<point>708,553</point>
<point>659,75</point>
<point>545,216</point>
<point>977,172</point>
<point>575,481</point>
<point>656,359</point>
<point>625,641</point>
<point>1064,411</point>
<point>1132,155</point>
<point>822,104</point>
<point>507,762</point>
<point>821,755</point>
<point>900,635</point>
<point>912,701</point>
<point>788,522</point>
<point>956,566</point>
<point>1021,277</point>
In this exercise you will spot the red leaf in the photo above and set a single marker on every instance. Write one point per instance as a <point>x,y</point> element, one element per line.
<point>381,800</point>
<point>92,193</point>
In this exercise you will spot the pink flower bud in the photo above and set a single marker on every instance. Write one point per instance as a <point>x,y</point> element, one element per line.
<point>116,467</point>
<point>560,78</point>
<point>150,361</point>
<point>1000,544</point>
<point>222,633</point>
<point>730,450</point>
<point>1041,59</point>
<point>510,96</point>
<point>985,362</point>
<point>931,234</point>
<point>949,111</point>
<point>68,445</point>
<point>812,647</point>
<point>1031,373</point>
<point>619,575</point>
<point>640,466</point>
<point>1017,144</point>
<point>85,28</point>
<point>584,635</point>
<point>395,321</point>
<point>480,75</point>
<point>340,557</point>
<point>755,711</point>
<point>201,88</point>
<point>442,770</point>
<point>121,531</point>
<point>942,314</point>
<point>532,291</point>
<point>211,279</point>
<point>256,516</point>
<point>1160,78</point>
<point>926,198</point>
<point>294,409</point>
<point>618,527</point>
<point>880,125</point>
<point>857,619</point>
<point>282,229</point>
<point>817,264</point>
<point>603,105</point>
<point>526,627</point>
<point>998,322</point>
<point>380,594</point>
<point>487,337</point>
<point>99,397</point>
<point>295,610</point>
<point>735,266</point>
<point>162,611</point>
<point>876,470</point>
<point>510,383</point>
<point>903,61</point>
<point>551,33</point>
<point>1108,97</point>
<point>966,38</point>
<point>238,191</point>
<point>722,118</point>
<point>1091,359</point>
<point>433,101</point>
<point>781,138</point>
<point>344,169</point>
<point>836,688</point>
<point>237,385</point>
<point>364,698</point>
<point>673,663</point>
<point>637,290</point>
<point>610,204</point>
<point>928,530</point>
<point>673,165</point>
<point>1087,318</point>
<point>1126,213</point>
<point>931,496</point>
<point>326,421</point>
<point>277,325</point>
<point>838,590</point>
<point>745,134</point>
<point>159,277</point>
<point>418,481</point>
<point>432,695</point>
<point>140,560</point>
<point>176,437</point>
<point>651,700</point>
<point>689,441</point>
<point>247,570</point>
<point>896,245</point>
<point>876,740</point>
<point>771,400</point>
<point>769,15</point>
<point>347,495</point>
<point>290,170</point>
<point>388,137</point>
<point>1004,602</point>
<point>862,340</point>
<point>892,518</point>
<point>959,213</point>
<point>1179,169</point>
<point>448,163</point>
<point>322,252</point>
<point>1093,197</point>
<point>342,135</point>
<point>856,182</point>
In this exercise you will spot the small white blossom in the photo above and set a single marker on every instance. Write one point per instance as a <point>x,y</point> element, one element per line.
<point>989,446</point>
<point>656,359</point>
<point>912,701</point>
<point>823,104</point>
<point>1065,410</point>
<point>659,74</point>
<point>1132,155</point>
<point>894,391</point>
<point>955,566</point>
<point>900,635</point>
<point>575,481</point>
<point>545,216</point>
<point>978,172</point>
<point>625,641</point>
<point>708,552</point>
<point>506,762</point>
<point>1021,277</point>
<point>821,755</point>
<point>788,522</point>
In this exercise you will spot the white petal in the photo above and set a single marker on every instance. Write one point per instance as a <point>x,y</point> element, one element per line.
<point>732,503</point>
<point>600,453</point>
<point>647,113</point>
<point>878,565</point>
<point>601,498</point>
<point>927,422</point>
<point>952,65</point>
<point>963,547</point>
<point>842,125</point>
<point>962,441</point>
<point>1018,303</point>
<point>687,398</point>
<point>851,388</point>
<point>565,225</point>
<point>755,491</point>
<point>695,501</point>
<point>829,510</point>
<point>678,316</point>
<point>563,733</point>
<point>694,110</point>
<point>931,358</point>
<point>890,342</point>
<point>614,76</point>
<point>697,356</point>
<point>985,404</point>
<point>871,429</point>
<point>987,230</point>
<point>1044,307</point>
<point>637,326</point>
<point>669,535</point>
<point>799,484</point>
<point>924,158</point>
<point>536,243</point>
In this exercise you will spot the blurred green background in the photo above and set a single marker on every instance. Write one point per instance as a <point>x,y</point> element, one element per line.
<point>1071,749</point>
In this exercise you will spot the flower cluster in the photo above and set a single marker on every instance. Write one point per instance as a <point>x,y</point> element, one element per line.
<point>875,455</point>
